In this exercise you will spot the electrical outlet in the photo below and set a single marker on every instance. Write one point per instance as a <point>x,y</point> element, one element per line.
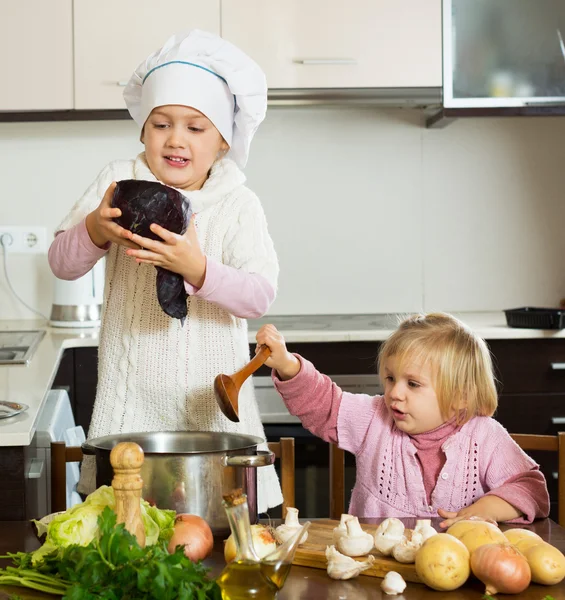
<point>23,240</point>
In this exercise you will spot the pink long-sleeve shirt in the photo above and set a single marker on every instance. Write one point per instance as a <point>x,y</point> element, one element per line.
<point>245,295</point>
<point>392,480</point>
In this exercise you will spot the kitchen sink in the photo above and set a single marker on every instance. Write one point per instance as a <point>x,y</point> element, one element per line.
<point>17,347</point>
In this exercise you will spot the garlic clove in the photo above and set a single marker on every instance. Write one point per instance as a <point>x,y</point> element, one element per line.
<point>393,583</point>
<point>355,542</point>
<point>405,551</point>
<point>344,567</point>
<point>389,533</point>
<point>289,527</point>
<point>341,529</point>
<point>424,527</point>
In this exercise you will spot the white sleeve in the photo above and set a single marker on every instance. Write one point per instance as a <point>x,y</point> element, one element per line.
<point>248,245</point>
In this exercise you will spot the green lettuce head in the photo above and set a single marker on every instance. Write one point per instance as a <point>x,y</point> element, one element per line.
<point>79,524</point>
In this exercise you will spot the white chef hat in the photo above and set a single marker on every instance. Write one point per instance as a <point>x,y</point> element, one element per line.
<point>204,71</point>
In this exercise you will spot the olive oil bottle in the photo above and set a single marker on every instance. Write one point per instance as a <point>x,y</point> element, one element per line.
<point>247,577</point>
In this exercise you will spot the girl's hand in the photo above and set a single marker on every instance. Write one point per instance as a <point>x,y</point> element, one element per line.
<point>101,227</point>
<point>488,508</point>
<point>178,253</point>
<point>284,363</point>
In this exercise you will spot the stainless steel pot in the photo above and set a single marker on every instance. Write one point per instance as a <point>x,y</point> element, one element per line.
<point>189,471</point>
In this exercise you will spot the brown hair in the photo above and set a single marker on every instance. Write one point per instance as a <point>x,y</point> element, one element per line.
<point>461,364</point>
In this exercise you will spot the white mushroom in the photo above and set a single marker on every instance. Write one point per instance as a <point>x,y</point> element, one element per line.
<point>355,542</point>
<point>289,527</point>
<point>393,583</point>
<point>425,529</point>
<point>388,534</point>
<point>341,529</point>
<point>344,567</point>
<point>405,551</point>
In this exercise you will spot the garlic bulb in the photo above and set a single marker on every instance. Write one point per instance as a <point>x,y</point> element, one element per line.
<point>393,583</point>
<point>355,542</point>
<point>344,567</point>
<point>341,529</point>
<point>405,551</point>
<point>388,534</point>
<point>289,527</point>
<point>425,529</point>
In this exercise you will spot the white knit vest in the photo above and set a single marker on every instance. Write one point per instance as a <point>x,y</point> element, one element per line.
<point>153,373</point>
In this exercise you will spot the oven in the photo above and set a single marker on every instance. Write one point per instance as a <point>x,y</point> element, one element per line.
<point>311,453</point>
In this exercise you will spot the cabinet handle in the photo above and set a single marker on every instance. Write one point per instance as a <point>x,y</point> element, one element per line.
<point>35,469</point>
<point>558,420</point>
<point>121,83</point>
<point>558,366</point>
<point>325,61</point>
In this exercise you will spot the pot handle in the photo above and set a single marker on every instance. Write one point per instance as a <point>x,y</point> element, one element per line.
<point>88,449</point>
<point>263,458</point>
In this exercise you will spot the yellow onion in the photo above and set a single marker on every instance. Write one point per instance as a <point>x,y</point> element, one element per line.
<point>501,568</point>
<point>263,542</point>
<point>546,562</point>
<point>194,535</point>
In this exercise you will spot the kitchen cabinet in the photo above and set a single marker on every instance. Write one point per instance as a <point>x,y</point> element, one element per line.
<point>36,41</point>
<point>339,43</point>
<point>78,374</point>
<point>531,373</point>
<point>112,38</point>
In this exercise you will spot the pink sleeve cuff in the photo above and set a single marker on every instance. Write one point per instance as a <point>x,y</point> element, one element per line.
<point>245,295</point>
<point>526,492</point>
<point>72,253</point>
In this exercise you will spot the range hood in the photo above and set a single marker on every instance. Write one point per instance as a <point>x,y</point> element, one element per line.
<point>381,97</point>
<point>502,58</point>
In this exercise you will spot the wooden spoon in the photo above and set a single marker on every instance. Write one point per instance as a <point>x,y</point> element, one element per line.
<point>227,387</point>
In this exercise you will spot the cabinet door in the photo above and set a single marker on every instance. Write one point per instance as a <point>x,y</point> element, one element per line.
<point>112,38</point>
<point>339,43</point>
<point>36,42</point>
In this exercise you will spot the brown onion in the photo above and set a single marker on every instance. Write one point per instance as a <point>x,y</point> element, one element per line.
<point>501,568</point>
<point>192,532</point>
<point>263,542</point>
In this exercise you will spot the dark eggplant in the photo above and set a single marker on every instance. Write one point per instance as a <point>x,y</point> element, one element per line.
<point>146,202</point>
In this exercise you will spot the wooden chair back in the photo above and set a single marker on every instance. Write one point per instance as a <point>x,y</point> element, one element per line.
<point>528,442</point>
<point>61,454</point>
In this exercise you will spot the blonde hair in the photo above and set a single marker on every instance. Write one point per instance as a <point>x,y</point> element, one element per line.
<point>461,364</point>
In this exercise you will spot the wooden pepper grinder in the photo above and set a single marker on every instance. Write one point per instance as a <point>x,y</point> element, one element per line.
<point>126,459</point>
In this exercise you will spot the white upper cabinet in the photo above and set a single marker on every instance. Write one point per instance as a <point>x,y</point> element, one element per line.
<point>339,43</point>
<point>113,37</point>
<point>36,41</point>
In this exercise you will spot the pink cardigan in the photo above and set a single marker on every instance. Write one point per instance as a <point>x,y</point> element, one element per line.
<point>480,458</point>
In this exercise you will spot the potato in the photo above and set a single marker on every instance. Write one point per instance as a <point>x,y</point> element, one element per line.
<point>442,562</point>
<point>517,534</point>
<point>476,533</point>
<point>546,563</point>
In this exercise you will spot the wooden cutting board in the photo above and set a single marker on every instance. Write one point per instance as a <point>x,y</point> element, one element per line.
<point>320,535</point>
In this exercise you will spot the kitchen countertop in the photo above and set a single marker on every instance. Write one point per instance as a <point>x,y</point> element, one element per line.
<point>30,384</point>
<point>306,582</point>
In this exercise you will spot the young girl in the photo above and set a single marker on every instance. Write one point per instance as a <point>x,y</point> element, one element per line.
<point>198,101</point>
<point>429,446</point>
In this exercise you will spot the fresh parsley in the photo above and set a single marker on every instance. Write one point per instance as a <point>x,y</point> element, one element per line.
<point>113,567</point>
